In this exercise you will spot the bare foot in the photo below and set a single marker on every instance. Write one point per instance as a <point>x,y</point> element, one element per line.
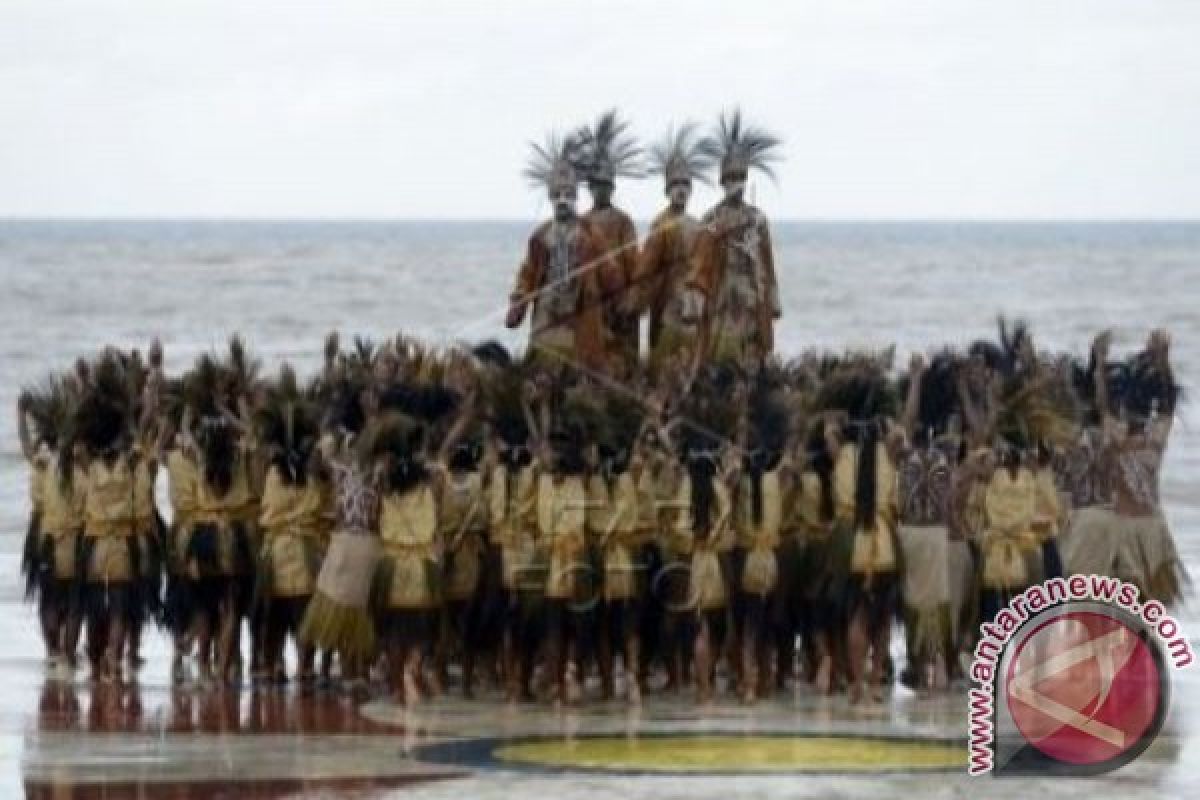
<point>824,675</point>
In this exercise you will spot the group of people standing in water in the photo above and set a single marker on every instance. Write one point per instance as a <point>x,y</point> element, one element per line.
<point>422,517</point>
<point>593,517</point>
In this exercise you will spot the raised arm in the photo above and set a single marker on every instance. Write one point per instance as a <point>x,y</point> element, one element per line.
<point>458,429</point>
<point>912,403</point>
<point>28,448</point>
<point>1099,360</point>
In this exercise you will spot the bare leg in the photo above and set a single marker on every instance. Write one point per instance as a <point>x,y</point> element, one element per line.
<point>703,654</point>
<point>633,673</point>
<point>856,653</point>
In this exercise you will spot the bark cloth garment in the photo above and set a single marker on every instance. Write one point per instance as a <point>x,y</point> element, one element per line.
<point>52,542</point>
<point>512,525</point>
<point>869,555</point>
<point>338,617</point>
<point>1146,556</point>
<point>1089,543</point>
<point>759,541</point>
<point>733,267</point>
<point>566,280</point>
<point>701,551</point>
<point>561,531</point>
<point>108,556</point>
<point>616,526</point>
<point>462,521</point>
<point>660,282</point>
<point>818,584</point>
<point>925,478</point>
<point>410,574</point>
<point>290,522</point>
<point>616,239</point>
<point>1011,548</point>
<point>221,544</point>
<point>183,480</point>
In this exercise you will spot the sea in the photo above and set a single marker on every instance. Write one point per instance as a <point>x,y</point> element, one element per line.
<point>70,287</point>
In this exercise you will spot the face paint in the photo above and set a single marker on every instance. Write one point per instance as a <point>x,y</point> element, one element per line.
<point>678,194</point>
<point>734,185</point>
<point>602,192</point>
<point>563,198</point>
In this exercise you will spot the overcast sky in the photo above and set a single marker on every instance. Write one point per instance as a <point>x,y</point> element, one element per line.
<point>889,108</point>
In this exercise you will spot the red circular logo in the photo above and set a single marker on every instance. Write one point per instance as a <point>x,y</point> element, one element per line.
<point>1084,688</point>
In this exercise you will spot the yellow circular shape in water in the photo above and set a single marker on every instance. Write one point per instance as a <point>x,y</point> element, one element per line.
<point>724,753</point>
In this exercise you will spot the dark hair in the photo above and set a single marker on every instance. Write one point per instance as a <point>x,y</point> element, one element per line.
<point>220,454</point>
<point>865,488</point>
<point>465,455</point>
<point>701,469</point>
<point>821,463</point>
<point>292,465</point>
<point>404,473</point>
<point>567,446</point>
<point>346,409</point>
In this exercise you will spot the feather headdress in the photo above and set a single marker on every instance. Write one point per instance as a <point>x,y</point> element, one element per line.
<point>1150,386</point>
<point>609,151</point>
<point>287,425</point>
<point>739,147</point>
<point>52,405</point>
<point>938,400</point>
<point>557,163</point>
<point>679,156</point>
<point>858,385</point>
<point>104,413</point>
<point>396,439</point>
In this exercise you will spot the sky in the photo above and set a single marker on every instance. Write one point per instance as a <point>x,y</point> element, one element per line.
<point>958,109</point>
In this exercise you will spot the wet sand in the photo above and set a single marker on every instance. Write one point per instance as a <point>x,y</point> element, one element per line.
<point>62,736</point>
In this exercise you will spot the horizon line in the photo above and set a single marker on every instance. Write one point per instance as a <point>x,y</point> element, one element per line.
<point>206,218</point>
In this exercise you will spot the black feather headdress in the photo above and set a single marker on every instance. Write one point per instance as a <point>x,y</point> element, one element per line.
<point>287,426</point>
<point>558,163</point>
<point>739,147</point>
<point>680,157</point>
<point>608,149</point>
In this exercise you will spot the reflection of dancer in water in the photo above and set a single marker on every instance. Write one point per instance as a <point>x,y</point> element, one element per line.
<point>732,281</point>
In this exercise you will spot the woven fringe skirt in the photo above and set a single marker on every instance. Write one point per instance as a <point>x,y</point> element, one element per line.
<point>926,584</point>
<point>338,618</point>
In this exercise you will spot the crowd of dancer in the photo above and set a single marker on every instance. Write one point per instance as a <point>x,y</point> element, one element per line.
<point>695,512</point>
<point>431,519</point>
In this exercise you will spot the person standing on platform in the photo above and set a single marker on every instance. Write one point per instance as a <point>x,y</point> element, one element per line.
<point>610,152</point>
<point>664,259</point>
<point>561,276</point>
<point>732,286</point>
